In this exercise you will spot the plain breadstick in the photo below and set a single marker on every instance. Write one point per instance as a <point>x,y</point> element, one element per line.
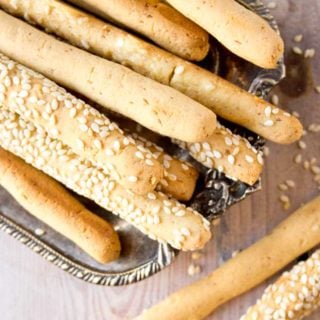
<point>156,21</point>
<point>224,98</point>
<point>228,153</point>
<point>51,203</point>
<point>239,29</point>
<point>157,107</point>
<point>162,219</point>
<point>88,132</point>
<point>295,295</point>
<point>294,236</point>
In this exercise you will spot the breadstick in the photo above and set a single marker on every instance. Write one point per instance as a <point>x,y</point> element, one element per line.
<point>239,29</point>
<point>157,107</point>
<point>180,177</point>
<point>224,98</point>
<point>228,153</point>
<point>80,126</point>
<point>294,236</point>
<point>161,218</point>
<point>294,295</point>
<point>51,203</point>
<point>156,21</point>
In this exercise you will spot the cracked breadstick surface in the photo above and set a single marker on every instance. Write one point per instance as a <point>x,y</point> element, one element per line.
<point>47,200</point>
<point>84,129</point>
<point>162,219</point>
<point>156,106</point>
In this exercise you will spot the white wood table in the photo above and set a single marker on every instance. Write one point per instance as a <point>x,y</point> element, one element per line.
<point>31,288</point>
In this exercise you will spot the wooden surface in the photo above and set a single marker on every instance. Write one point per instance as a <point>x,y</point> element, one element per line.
<point>32,288</point>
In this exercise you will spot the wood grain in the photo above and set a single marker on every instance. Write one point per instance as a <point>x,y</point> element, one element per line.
<point>32,288</point>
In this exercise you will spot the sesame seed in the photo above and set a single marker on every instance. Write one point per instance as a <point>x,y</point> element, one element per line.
<point>283,187</point>
<point>297,159</point>
<point>260,158</point>
<point>317,88</point>
<point>217,154</point>
<point>268,123</point>
<point>193,270</point>
<point>231,159</point>
<point>179,69</point>
<point>290,183</point>
<point>267,112</point>
<point>249,159</point>
<point>275,100</point>
<point>39,232</point>
<point>83,127</point>
<point>132,178</point>
<point>97,144</point>
<point>298,38</point>
<point>180,213</point>
<point>302,145</point>
<point>297,50</point>
<point>271,5</point>
<point>149,162</point>
<point>309,53</point>
<point>185,167</point>
<point>109,152</point>
<point>139,155</point>
<point>172,177</point>
<point>228,141</point>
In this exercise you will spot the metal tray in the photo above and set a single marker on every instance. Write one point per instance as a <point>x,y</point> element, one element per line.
<point>142,257</point>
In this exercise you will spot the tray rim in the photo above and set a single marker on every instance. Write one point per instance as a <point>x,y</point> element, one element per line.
<point>261,86</point>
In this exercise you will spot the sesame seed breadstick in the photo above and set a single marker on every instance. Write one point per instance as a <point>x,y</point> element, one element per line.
<point>295,295</point>
<point>157,107</point>
<point>157,21</point>
<point>51,203</point>
<point>222,97</point>
<point>239,29</point>
<point>228,153</point>
<point>180,177</point>
<point>162,219</point>
<point>291,238</point>
<point>88,132</point>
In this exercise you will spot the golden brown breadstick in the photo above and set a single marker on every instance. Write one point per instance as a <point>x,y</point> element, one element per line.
<point>294,236</point>
<point>162,219</point>
<point>179,180</point>
<point>224,98</point>
<point>84,129</point>
<point>294,295</point>
<point>157,107</point>
<point>51,203</point>
<point>239,29</point>
<point>157,21</point>
<point>228,153</point>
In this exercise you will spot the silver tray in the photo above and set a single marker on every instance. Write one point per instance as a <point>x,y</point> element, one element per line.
<point>142,257</point>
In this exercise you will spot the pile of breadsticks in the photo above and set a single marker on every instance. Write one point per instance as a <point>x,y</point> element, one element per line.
<point>74,143</point>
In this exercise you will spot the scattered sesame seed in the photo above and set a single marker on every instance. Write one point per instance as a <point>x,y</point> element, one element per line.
<point>297,50</point>
<point>283,187</point>
<point>290,183</point>
<point>302,145</point>
<point>309,53</point>
<point>193,270</point>
<point>298,38</point>
<point>298,158</point>
<point>196,255</point>
<point>271,5</point>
